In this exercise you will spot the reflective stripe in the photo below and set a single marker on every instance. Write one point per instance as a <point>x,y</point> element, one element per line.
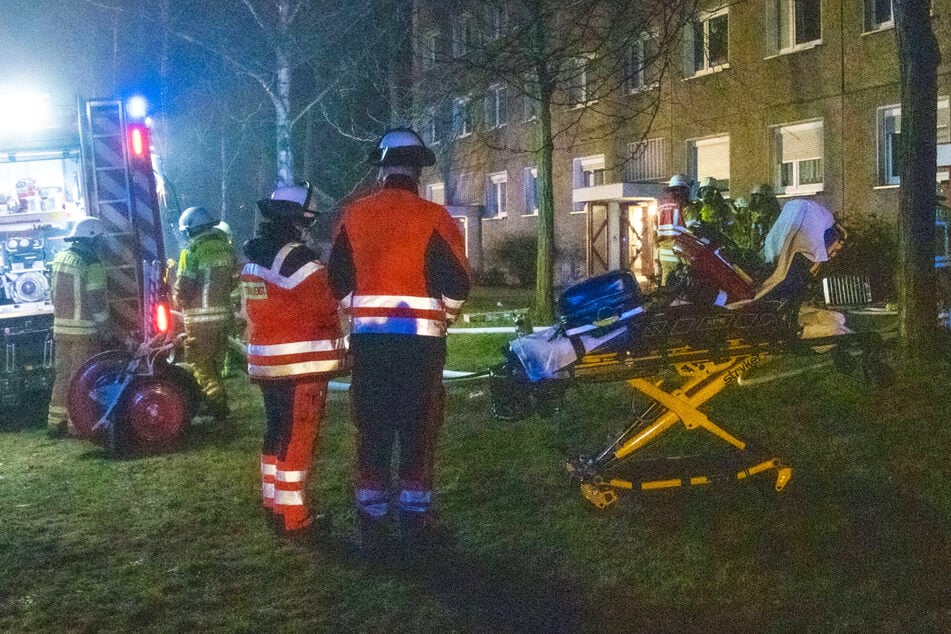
<point>290,476</point>
<point>670,231</point>
<point>288,498</point>
<point>300,347</point>
<point>400,325</point>
<point>291,369</point>
<point>625,315</point>
<point>415,501</point>
<point>396,301</point>
<point>277,279</point>
<point>268,468</point>
<point>372,502</point>
<point>267,490</point>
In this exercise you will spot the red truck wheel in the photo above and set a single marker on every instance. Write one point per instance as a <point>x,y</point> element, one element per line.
<point>154,413</point>
<point>94,386</point>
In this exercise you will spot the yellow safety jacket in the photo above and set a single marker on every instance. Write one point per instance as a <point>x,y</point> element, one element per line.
<point>206,278</point>
<point>78,293</point>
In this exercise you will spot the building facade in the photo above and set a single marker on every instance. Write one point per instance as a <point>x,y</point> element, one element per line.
<point>802,95</point>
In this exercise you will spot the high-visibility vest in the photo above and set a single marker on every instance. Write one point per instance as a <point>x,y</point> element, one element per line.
<point>78,293</point>
<point>208,262</point>
<point>293,324</point>
<point>389,233</point>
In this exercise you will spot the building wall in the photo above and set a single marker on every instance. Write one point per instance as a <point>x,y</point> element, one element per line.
<point>843,81</point>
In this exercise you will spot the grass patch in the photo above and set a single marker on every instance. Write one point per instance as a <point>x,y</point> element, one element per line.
<point>858,541</point>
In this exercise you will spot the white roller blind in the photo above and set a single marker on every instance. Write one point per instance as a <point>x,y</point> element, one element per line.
<point>713,158</point>
<point>800,142</point>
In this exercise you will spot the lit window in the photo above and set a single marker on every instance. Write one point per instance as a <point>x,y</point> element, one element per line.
<point>707,43</point>
<point>648,160</point>
<point>495,195</point>
<point>889,134</point>
<point>531,191</point>
<point>640,64</point>
<point>495,106</point>
<point>792,24</point>
<point>878,15</point>
<point>711,157</point>
<point>798,152</point>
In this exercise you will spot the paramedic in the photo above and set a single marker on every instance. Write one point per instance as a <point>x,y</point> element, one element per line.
<point>671,222</point>
<point>398,264</point>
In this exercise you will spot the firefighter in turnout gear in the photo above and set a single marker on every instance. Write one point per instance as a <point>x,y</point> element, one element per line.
<point>80,313</point>
<point>295,345</point>
<point>398,265</point>
<point>671,221</point>
<point>203,293</point>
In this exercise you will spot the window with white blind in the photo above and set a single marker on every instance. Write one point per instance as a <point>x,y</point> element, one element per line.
<point>889,134</point>
<point>495,106</point>
<point>436,192</point>
<point>648,160</point>
<point>587,171</point>
<point>531,191</point>
<point>495,195</point>
<point>798,157</point>
<point>711,157</point>
<point>706,43</point>
<point>792,25</point>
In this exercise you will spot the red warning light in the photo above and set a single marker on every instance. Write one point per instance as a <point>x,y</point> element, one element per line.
<point>161,317</point>
<point>138,141</point>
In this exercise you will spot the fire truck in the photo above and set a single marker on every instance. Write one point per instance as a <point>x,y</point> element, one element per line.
<point>91,157</point>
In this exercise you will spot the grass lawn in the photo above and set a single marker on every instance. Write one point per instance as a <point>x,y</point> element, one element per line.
<point>859,540</point>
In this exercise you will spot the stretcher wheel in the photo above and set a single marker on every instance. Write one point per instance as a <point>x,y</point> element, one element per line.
<point>94,385</point>
<point>153,413</point>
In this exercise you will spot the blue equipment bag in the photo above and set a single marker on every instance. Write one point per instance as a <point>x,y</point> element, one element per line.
<point>600,302</point>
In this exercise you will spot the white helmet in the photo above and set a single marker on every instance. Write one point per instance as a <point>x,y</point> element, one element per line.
<point>678,180</point>
<point>225,228</point>
<point>195,218</point>
<point>292,202</point>
<point>741,203</point>
<point>708,182</point>
<point>402,146</point>
<point>86,229</point>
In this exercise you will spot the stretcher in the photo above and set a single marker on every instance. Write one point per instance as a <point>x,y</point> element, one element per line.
<point>679,356</point>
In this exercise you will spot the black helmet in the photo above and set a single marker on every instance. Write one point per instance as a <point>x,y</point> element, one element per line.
<point>402,146</point>
<point>293,202</point>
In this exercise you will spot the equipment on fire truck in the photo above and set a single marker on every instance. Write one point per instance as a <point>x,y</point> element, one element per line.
<point>679,355</point>
<point>136,401</point>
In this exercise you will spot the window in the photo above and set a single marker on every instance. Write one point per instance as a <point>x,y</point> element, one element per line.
<point>792,25</point>
<point>648,160</point>
<point>889,134</point>
<point>798,151</point>
<point>463,121</point>
<point>640,64</point>
<point>531,191</point>
<point>711,157</point>
<point>495,106</point>
<point>427,50</point>
<point>463,35</point>
<point>495,195</point>
<point>436,192</point>
<point>707,43</point>
<point>587,172</point>
<point>496,22</point>
<point>431,126</point>
<point>878,15</point>
<point>577,82</point>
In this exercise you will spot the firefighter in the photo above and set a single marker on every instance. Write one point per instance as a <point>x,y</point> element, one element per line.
<point>80,313</point>
<point>398,264</point>
<point>295,345</point>
<point>203,293</point>
<point>671,221</point>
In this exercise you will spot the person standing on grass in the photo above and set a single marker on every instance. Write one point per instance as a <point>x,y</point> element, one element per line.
<point>398,265</point>
<point>295,345</point>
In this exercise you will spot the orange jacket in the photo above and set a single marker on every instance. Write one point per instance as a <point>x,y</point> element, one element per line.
<point>398,264</point>
<point>293,327</point>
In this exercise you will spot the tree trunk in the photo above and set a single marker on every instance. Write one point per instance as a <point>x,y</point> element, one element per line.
<point>282,108</point>
<point>918,59</point>
<point>223,168</point>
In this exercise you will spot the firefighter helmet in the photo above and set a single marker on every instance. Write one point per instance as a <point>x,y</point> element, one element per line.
<point>762,189</point>
<point>86,229</point>
<point>402,146</point>
<point>292,202</point>
<point>225,228</point>
<point>708,182</point>
<point>678,180</point>
<point>194,219</point>
<point>741,203</point>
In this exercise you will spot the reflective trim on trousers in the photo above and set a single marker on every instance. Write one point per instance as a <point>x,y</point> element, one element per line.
<point>372,502</point>
<point>288,498</point>
<point>415,501</point>
<point>289,476</point>
<point>268,469</point>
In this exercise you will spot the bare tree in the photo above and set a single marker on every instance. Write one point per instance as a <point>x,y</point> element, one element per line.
<point>918,61</point>
<point>573,61</point>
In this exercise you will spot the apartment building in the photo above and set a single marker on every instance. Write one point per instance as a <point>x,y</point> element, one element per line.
<point>799,94</point>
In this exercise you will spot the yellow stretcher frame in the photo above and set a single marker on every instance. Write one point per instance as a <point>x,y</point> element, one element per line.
<point>699,382</point>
